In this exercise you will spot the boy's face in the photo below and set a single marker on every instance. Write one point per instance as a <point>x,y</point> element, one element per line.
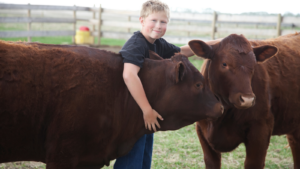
<point>154,26</point>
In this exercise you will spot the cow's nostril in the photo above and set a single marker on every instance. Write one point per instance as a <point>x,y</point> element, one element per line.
<point>241,99</point>
<point>217,97</point>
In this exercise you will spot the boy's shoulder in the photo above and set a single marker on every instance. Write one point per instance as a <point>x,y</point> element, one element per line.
<point>136,42</point>
<point>137,38</point>
<point>135,45</point>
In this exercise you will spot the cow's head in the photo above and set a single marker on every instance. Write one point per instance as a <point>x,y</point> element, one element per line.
<point>231,67</point>
<point>178,91</point>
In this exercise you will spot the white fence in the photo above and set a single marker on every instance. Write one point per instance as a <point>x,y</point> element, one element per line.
<point>119,24</point>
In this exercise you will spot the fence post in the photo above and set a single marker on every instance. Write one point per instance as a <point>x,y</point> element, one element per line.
<point>74,24</point>
<point>279,25</point>
<point>94,27</point>
<point>129,20</point>
<point>99,26</point>
<point>42,25</point>
<point>29,23</point>
<point>213,25</point>
<point>189,33</point>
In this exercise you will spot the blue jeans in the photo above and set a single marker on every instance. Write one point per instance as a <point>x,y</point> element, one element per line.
<point>140,155</point>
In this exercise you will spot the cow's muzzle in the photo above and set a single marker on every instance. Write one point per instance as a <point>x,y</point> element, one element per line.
<point>242,101</point>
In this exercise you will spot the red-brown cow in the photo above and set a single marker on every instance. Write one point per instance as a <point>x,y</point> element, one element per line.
<point>260,93</point>
<point>69,107</point>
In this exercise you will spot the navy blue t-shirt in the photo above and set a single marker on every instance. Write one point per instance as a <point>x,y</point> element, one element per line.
<point>136,49</point>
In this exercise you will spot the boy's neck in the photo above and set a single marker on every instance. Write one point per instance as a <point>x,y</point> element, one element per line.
<point>150,40</point>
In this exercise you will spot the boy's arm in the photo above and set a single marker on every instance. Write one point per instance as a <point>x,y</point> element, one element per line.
<point>186,50</point>
<point>135,87</point>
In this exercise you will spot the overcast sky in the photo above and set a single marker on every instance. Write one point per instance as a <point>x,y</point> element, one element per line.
<point>224,6</point>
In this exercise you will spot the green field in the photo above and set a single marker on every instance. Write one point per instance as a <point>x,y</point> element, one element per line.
<point>65,40</point>
<point>181,149</point>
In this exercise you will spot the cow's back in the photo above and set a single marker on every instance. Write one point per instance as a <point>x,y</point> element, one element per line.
<point>37,84</point>
<point>284,82</point>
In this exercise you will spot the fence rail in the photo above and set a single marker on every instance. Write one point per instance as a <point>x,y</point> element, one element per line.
<point>35,20</point>
<point>44,7</point>
<point>8,34</point>
<point>187,25</point>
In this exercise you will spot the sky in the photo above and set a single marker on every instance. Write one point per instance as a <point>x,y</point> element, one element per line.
<point>224,6</point>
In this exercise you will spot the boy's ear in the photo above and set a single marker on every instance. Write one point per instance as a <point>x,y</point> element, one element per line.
<point>141,20</point>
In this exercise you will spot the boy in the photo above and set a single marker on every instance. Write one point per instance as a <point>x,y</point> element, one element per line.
<point>154,18</point>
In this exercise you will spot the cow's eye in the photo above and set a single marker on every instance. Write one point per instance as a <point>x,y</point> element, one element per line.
<point>224,64</point>
<point>198,84</point>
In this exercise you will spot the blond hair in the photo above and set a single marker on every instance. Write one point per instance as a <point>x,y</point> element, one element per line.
<point>153,6</point>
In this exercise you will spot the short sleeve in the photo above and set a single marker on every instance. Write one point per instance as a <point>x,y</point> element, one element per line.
<point>133,53</point>
<point>169,49</point>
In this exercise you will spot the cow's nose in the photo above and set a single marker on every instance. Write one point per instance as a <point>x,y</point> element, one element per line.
<point>247,101</point>
<point>222,109</point>
<point>242,101</point>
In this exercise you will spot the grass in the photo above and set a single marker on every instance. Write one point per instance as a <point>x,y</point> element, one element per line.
<point>49,40</point>
<point>66,40</point>
<point>180,148</point>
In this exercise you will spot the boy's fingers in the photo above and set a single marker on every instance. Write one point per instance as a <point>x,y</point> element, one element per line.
<point>149,126</point>
<point>159,116</point>
<point>157,124</point>
<point>153,126</point>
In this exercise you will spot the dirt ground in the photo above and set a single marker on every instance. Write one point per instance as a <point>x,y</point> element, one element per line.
<point>23,165</point>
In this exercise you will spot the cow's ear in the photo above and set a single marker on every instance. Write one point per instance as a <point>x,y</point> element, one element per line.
<point>200,48</point>
<point>154,56</point>
<point>180,71</point>
<point>263,53</point>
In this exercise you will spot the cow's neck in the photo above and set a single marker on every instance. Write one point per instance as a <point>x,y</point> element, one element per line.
<point>153,76</point>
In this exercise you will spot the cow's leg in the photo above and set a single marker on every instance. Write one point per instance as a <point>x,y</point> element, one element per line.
<point>212,158</point>
<point>58,165</point>
<point>257,143</point>
<point>61,160</point>
<point>294,142</point>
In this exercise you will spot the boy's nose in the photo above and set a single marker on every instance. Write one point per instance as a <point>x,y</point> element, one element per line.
<point>158,25</point>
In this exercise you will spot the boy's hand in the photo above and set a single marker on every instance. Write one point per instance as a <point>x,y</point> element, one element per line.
<point>134,85</point>
<point>150,118</point>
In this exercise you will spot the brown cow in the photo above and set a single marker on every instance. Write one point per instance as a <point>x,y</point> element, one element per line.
<point>69,107</point>
<point>241,75</point>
